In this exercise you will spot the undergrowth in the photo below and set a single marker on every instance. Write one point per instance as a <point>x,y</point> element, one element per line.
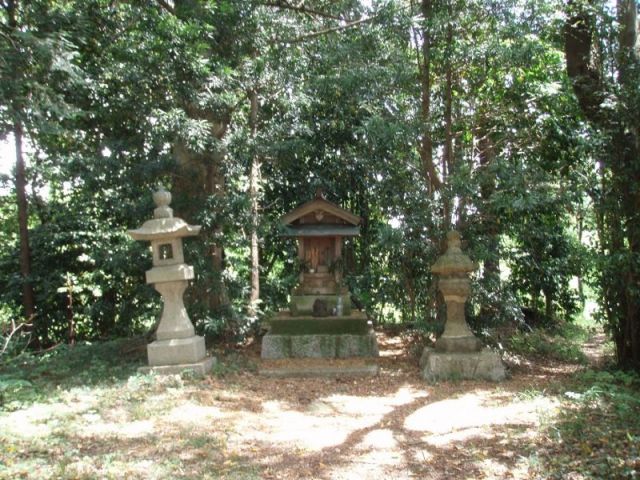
<point>562,343</point>
<point>33,377</point>
<point>597,432</point>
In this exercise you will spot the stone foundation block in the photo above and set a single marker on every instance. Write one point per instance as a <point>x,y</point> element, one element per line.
<point>319,346</point>
<point>485,364</point>
<point>176,351</point>
<point>357,346</point>
<point>313,346</point>
<point>276,346</point>
<point>200,368</point>
<point>466,344</point>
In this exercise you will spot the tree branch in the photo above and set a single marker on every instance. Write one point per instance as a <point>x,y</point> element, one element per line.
<point>326,31</point>
<point>166,6</point>
<point>300,9</point>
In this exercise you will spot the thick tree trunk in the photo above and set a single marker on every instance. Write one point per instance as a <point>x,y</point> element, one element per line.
<point>200,176</point>
<point>254,192</point>
<point>621,201</point>
<point>627,172</point>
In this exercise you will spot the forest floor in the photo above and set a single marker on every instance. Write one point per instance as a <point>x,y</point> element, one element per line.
<point>83,412</point>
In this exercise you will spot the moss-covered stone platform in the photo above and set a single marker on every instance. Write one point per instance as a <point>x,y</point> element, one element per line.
<point>286,324</point>
<point>319,337</point>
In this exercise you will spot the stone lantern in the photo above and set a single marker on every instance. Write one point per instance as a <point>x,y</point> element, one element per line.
<point>177,347</point>
<point>458,353</point>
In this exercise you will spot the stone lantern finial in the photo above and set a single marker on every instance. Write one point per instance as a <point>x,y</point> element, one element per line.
<point>162,199</point>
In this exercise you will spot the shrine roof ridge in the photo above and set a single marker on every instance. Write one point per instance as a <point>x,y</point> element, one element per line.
<point>320,204</point>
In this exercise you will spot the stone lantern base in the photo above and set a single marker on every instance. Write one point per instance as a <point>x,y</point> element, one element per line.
<point>484,364</point>
<point>178,355</point>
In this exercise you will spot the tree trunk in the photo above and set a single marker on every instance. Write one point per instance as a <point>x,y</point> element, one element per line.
<point>447,153</point>
<point>426,144</point>
<point>254,192</point>
<point>621,201</point>
<point>626,170</point>
<point>28,301</point>
<point>548,306</point>
<point>580,222</point>
<point>200,176</point>
<point>486,154</point>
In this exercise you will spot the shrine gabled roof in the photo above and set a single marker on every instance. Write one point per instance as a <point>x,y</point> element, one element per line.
<point>319,204</point>
<point>321,230</point>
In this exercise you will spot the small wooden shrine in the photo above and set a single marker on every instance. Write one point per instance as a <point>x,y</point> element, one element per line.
<point>320,321</point>
<point>320,227</point>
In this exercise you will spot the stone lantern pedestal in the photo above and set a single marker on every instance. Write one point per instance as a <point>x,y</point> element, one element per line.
<point>458,353</point>
<point>177,348</point>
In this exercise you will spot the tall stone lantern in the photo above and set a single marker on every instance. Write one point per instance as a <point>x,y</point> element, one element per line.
<point>177,348</point>
<point>458,353</point>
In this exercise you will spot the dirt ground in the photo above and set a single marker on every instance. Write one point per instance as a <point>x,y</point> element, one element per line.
<point>237,424</point>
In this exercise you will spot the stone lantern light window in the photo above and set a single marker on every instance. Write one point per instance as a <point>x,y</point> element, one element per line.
<point>166,251</point>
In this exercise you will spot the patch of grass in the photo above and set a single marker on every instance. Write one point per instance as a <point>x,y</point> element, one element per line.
<point>232,362</point>
<point>562,343</point>
<point>597,433</point>
<point>531,393</point>
<point>35,377</point>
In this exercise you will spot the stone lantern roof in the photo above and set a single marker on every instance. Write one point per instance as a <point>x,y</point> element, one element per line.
<point>163,225</point>
<point>454,261</point>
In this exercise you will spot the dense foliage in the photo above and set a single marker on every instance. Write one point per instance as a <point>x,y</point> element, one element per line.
<point>418,116</point>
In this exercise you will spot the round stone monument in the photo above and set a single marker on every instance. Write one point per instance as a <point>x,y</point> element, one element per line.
<point>177,348</point>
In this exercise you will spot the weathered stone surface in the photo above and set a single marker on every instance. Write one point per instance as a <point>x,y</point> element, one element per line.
<point>357,346</point>
<point>200,368</point>
<point>313,346</point>
<point>176,351</point>
<point>485,364</point>
<point>276,346</point>
<point>285,324</point>
<point>303,304</point>
<point>454,261</point>
<point>319,346</point>
<point>458,344</point>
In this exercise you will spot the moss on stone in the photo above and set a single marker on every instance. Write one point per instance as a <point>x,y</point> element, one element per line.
<point>324,325</point>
